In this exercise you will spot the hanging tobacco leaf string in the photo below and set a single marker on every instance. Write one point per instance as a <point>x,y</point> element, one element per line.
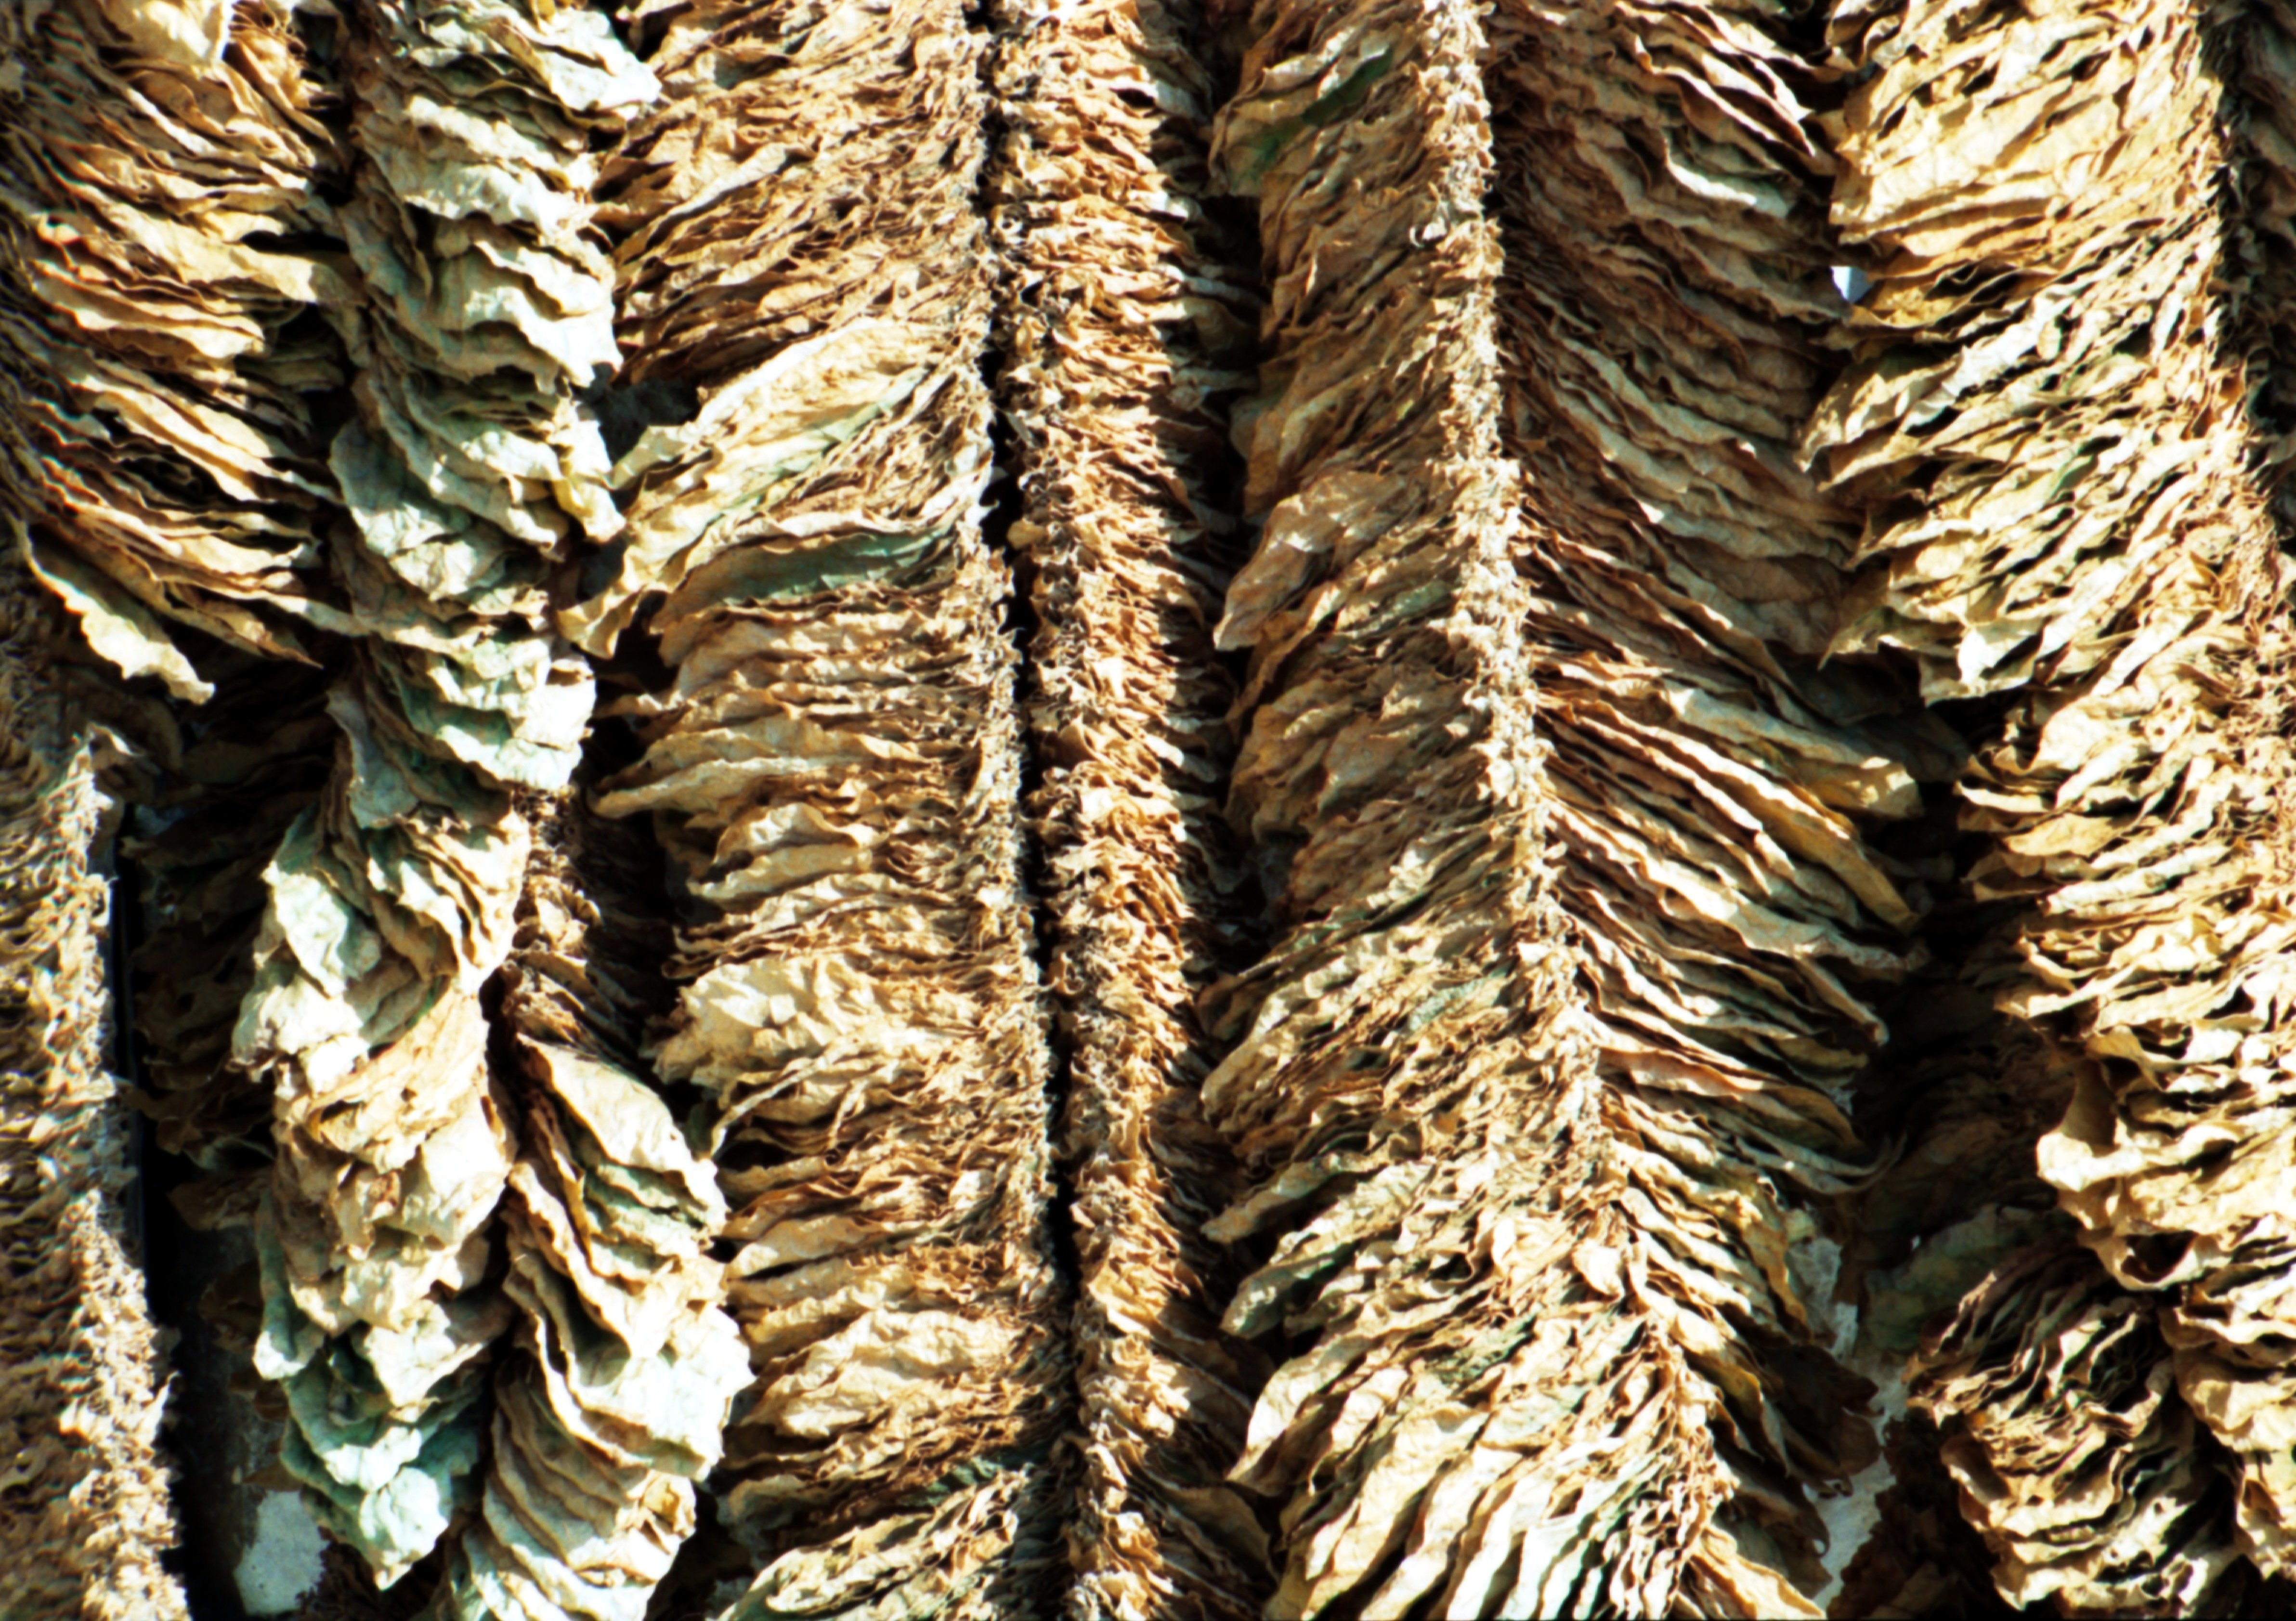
<point>1413,1085</point>
<point>1662,197</point>
<point>156,440</point>
<point>834,772</point>
<point>2052,443</point>
<point>162,467</point>
<point>613,1404</point>
<point>85,1511</point>
<point>1127,309</point>
<point>160,472</point>
<point>469,469</point>
<point>1570,794</point>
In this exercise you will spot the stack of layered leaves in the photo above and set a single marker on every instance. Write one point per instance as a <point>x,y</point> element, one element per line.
<point>158,366</point>
<point>1128,321</point>
<point>832,772</point>
<point>1487,1408</point>
<point>480,308</point>
<point>1716,791</point>
<point>2043,419</point>
<point>623,1370</point>
<point>85,1505</point>
<point>1315,807</point>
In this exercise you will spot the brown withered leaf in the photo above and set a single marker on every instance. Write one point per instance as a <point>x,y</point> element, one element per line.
<point>1126,312</point>
<point>162,165</point>
<point>480,308</point>
<point>612,1406</point>
<point>833,770</point>
<point>2091,1480</point>
<point>1469,1321</point>
<point>1716,793</point>
<point>2042,398</point>
<point>86,1513</point>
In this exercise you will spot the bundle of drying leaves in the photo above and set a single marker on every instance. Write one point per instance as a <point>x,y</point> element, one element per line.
<point>1128,330</point>
<point>1718,794</point>
<point>1652,783</point>
<point>610,1403</point>
<point>2041,396</point>
<point>86,1501</point>
<point>480,306</point>
<point>831,771</point>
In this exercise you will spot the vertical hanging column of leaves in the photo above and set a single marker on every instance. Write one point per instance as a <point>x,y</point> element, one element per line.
<point>2254,43</point>
<point>84,1510</point>
<point>2040,388</point>
<point>1127,311</point>
<point>1482,1412</point>
<point>1661,197</point>
<point>613,1404</point>
<point>160,167</point>
<point>159,353</point>
<point>834,770</point>
<point>469,470</point>
<point>156,444</point>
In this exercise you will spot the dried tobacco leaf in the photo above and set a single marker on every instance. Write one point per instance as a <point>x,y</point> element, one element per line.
<point>482,309</point>
<point>2089,1477</point>
<point>2042,371</point>
<point>755,375</point>
<point>2254,43</point>
<point>625,1368</point>
<point>1127,309</point>
<point>834,772</point>
<point>84,1514</point>
<point>2032,188</point>
<point>1488,1410</point>
<point>161,161</point>
<point>1715,793</point>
